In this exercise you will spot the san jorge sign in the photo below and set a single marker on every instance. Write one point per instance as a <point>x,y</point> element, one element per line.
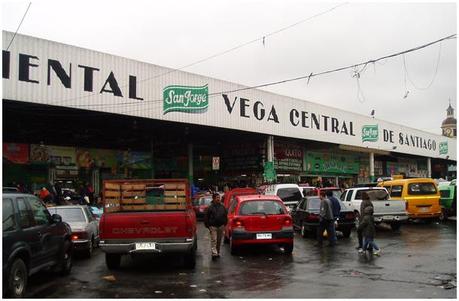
<point>185,99</point>
<point>370,133</point>
<point>443,147</point>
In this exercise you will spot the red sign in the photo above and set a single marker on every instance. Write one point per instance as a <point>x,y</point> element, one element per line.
<point>16,152</point>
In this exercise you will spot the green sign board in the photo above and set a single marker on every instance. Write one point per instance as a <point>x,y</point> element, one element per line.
<point>370,133</point>
<point>328,163</point>
<point>185,99</point>
<point>269,172</point>
<point>443,148</point>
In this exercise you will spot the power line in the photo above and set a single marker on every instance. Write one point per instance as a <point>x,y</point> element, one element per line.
<point>262,38</point>
<point>20,23</point>
<point>407,76</point>
<point>310,75</point>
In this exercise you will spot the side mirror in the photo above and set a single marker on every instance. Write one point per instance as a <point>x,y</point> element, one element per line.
<point>56,218</point>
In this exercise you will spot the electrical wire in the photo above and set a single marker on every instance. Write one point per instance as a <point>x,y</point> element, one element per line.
<point>407,76</point>
<point>20,23</point>
<point>262,38</point>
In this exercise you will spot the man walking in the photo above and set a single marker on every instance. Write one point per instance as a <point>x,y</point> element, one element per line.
<point>365,203</point>
<point>326,221</point>
<point>336,208</point>
<point>215,220</point>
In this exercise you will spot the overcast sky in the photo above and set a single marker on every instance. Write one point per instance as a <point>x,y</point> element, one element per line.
<point>176,33</point>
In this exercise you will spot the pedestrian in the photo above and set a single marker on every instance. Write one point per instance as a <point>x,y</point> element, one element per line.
<point>215,220</point>
<point>45,195</point>
<point>365,203</point>
<point>326,221</point>
<point>367,227</point>
<point>336,208</point>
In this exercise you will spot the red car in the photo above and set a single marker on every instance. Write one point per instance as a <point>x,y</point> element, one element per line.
<point>259,219</point>
<point>200,205</point>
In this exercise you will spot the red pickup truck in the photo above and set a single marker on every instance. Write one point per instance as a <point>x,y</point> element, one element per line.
<point>147,216</point>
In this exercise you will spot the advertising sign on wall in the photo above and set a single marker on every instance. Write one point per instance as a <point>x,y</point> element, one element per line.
<point>330,163</point>
<point>16,153</point>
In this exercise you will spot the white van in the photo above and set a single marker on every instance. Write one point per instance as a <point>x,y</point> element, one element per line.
<point>290,194</point>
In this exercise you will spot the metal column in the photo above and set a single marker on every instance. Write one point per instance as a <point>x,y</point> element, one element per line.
<point>429,168</point>
<point>270,149</point>
<point>372,167</point>
<point>190,163</point>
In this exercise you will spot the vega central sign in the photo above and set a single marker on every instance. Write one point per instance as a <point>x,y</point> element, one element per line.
<point>185,99</point>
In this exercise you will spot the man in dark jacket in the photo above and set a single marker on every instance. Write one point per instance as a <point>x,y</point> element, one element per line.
<point>336,208</point>
<point>326,221</point>
<point>215,220</point>
<point>365,203</point>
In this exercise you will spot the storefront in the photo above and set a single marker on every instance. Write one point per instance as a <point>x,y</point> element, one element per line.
<point>83,116</point>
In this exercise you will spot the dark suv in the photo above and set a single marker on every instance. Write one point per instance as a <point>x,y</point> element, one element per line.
<point>33,240</point>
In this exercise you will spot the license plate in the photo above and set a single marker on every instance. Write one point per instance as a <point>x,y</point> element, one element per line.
<point>264,236</point>
<point>145,246</point>
<point>424,209</point>
<point>388,217</point>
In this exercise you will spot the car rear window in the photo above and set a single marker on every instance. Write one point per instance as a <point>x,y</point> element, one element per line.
<point>374,194</point>
<point>314,203</point>
<point>421,188</point>
<point>8,215</point>
<point>205,201</point>
<point>261,207</point>
<point>289,194</point>
<point>70,214</point>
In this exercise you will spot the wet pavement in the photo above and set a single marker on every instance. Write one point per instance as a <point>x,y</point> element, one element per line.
<point>418,262</point>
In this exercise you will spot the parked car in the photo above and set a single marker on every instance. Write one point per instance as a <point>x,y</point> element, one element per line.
<point>230,195</point>
<point>290,194</point>
<point>421,195</point>
<point>163,222</point>
<point>323,190</point>
<point>201,204</point>
<point>306,217</point>
<point>33,240</point>
<point>386,209</point>
<point>85,228</point>
<point>258,219</point>
<point>10,189</point>
<point>448,197</point>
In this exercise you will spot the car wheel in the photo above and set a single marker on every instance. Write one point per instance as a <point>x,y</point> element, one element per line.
<point>443,215</point>
<point>190,258</point>
<point>304,233</point>
<point>233,248</point>
<point>288,248</point>
<point>66,261</point>
<point>395,226</point>
<point>346,232</point>
<point>88,252</point>
<point>17,279</point>
<point>112,261</point>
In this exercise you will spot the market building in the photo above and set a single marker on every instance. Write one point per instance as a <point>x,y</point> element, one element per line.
<point>76,116</point>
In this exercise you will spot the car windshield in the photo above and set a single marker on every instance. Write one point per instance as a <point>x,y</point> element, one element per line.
<point>289,194</point>
<point>205,201</point>
<point>374,194</point>
<point>261,207</point>
<point>422,188</point>
<point>70,214</point>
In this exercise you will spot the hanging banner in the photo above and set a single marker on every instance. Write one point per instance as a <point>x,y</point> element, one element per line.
<point>288,157</point>
<point>134,160</point>
<point>92,157</point>
<point>328,163</point>
<point>62,155</point>
<point>16,153</point>
<point>39,153</point>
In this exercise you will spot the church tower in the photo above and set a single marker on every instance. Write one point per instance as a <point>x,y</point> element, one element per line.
<point>449,124</point>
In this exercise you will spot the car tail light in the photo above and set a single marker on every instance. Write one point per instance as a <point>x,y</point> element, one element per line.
<point>349,215</point>
<point>313,217</point>
<point>79,235</point>
<point>237,223</point>
<point>288,221</point>
<point>188,223</point>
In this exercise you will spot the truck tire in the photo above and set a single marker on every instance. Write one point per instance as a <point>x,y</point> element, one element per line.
<point>395,226</point>
<point>17,279</point>
<point>88,252</point>
<point>303,231</point>
<point>346,232</point>
<point>112,261</point>
<point>190,257</point>
<point>66,260</point>
<point>288,249</point>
